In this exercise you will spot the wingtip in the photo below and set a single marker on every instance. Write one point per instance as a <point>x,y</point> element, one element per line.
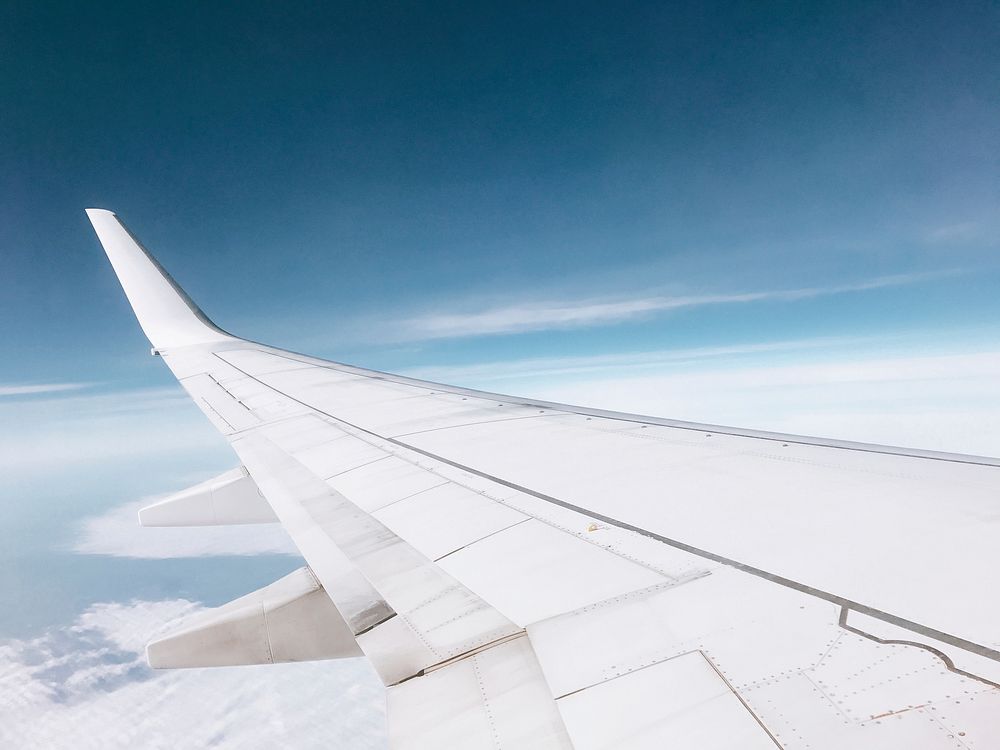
<point>166,314</point>
<point>92,211</point>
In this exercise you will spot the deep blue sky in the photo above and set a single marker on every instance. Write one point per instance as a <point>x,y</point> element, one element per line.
<point>305,168</point>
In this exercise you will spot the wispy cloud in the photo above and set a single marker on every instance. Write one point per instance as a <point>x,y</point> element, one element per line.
<point>953,233</point>
<point>629,363</point>
<point>86,685</point>
<point>525,317</point>
<point>34,389</point>
<point>117,533</point>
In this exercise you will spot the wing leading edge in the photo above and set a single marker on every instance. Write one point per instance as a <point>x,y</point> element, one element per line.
<point>528,574</point>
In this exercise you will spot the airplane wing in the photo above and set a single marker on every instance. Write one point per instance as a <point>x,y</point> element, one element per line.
<point>525,574</point>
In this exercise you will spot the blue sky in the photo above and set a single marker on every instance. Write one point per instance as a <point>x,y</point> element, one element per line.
<point>777,215</point>
<point>307,171</point>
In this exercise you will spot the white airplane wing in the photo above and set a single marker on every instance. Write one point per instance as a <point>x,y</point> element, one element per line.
<point>525,574</point>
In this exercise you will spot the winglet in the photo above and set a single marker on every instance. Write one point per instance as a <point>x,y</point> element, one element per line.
<point>167,315</point>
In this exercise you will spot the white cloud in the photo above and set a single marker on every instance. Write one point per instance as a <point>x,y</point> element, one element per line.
<point>86,685</point>
<point>31,389</point>
<point>117,533</point>
<point>546,315</point>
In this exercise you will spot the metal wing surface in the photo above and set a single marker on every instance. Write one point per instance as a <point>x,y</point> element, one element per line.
<point>525,574</point>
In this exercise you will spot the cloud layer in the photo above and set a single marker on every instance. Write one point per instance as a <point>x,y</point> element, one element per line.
<point>852,390</point>
<point>117,533</point>
<point>86,685</point>
<point>82,429</point>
